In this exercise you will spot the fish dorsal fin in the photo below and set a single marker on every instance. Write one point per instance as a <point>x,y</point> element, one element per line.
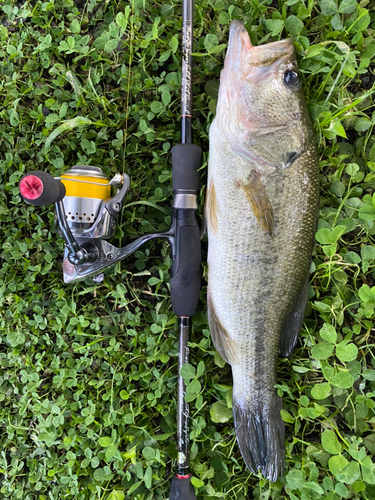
<point>225,345</point>
<point>211,208</point>
<point>293,323</point>
<point>260,204</point>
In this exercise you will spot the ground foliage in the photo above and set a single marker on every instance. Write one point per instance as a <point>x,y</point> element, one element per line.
<point>88,371</point>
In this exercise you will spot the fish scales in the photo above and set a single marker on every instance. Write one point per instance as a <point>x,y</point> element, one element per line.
<point>263,197</point>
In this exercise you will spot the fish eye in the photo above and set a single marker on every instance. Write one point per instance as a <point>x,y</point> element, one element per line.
<point>291,78</point>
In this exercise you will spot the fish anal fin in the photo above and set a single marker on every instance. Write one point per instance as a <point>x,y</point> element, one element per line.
<point>293,324</point>
<point>260,204</point>
<point>225,345</point>
<point>211,208</point>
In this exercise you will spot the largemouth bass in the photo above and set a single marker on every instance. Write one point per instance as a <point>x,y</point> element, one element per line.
<point>261,209</point>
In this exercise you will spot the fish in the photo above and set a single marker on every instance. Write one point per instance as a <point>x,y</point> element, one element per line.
<point>261,212</point>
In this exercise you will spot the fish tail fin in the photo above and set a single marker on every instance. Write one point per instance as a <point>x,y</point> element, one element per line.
<point>260,435</point>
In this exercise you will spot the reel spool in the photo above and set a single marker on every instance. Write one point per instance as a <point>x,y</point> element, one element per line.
<point>86,188</point>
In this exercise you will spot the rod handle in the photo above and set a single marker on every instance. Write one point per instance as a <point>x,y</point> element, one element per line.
<point>185,281</point>
<point>186,160</point>
<point>182,489</point>
<point>40,188</point>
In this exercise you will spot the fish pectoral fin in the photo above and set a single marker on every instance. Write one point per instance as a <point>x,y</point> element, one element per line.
<point>293,324</point>
<point>211,208</point>
<point>225,345</point>
<point>260,204</point>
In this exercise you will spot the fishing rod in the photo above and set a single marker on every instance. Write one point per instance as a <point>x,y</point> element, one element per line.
<point>186,164</point>
<point>85,217</point>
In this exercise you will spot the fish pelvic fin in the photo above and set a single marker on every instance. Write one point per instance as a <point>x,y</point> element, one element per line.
<point>260,204</point>
<point>293,323</point>
<point>260,435</point>
<point>225,345</point>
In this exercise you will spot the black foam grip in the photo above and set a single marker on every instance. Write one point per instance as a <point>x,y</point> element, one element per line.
<point>52,191</point>
<point>186,159</point>
<point>185,281</point>
<point>182,489</point>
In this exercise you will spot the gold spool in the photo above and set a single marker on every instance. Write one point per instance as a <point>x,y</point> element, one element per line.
<point>85,189</point>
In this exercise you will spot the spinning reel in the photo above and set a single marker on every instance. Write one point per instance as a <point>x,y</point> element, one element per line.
<point>86,218</point>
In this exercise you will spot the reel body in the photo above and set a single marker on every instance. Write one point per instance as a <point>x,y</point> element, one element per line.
<point>88,206</point>
<point>90,214</point>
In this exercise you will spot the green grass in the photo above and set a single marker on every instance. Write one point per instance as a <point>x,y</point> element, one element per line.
<point>88,371</point>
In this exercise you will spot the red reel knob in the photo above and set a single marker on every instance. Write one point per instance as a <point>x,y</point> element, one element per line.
<point>40,188</point>
<point>31,187</point>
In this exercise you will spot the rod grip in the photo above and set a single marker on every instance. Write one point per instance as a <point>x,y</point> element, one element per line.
<point>182,489</point>
<point>40,188</point>
<point>186,159</point>
<point>185,281</point>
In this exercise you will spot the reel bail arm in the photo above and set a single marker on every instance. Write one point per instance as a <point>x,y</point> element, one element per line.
<point>76,254</point>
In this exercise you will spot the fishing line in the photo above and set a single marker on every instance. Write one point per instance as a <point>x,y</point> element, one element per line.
<point>125,130</point>
<point>128,84</point>
<point>337,78</point>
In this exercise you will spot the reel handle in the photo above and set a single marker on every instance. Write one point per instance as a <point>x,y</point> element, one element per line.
<point>40,188</point>
<point>185,281</point>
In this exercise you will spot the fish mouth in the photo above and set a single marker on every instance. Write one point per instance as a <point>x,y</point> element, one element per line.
<point>239,43</point>
<point>236,28</point>
<point>240,49</point>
